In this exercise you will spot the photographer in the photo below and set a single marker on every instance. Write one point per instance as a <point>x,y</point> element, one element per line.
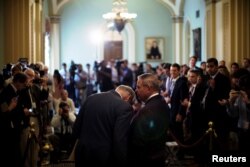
<point>62,139</point>
<point>239,109</point>
<point>29,100</point>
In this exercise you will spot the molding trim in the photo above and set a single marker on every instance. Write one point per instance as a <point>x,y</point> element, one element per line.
<point>208,2</point>
<point>55,19</point>
<point>178,19</point>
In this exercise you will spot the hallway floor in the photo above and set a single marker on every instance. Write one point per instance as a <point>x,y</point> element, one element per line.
<point>187,162</point>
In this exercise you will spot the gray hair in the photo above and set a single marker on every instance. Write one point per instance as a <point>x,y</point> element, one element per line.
<point>124,88</point>
<point>150,80</point>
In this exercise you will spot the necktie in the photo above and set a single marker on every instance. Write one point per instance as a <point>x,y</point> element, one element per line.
<point>191,92</point>
<point>203,102</point>
<point>172,87</point>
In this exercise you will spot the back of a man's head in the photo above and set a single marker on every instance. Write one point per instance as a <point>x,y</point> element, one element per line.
<point>150,80</point>
<point>20,77</point>
<point>126,92</point>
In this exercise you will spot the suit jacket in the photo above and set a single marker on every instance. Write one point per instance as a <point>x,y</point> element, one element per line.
<point>127,77</point>
<point>10,119</point>
<point>102,128</point>
<point>104,79</point>
<point>213,110</point>
<point>10,127</point>
<point>180,93</point>
<point>199,125</point>
<point>149,133</point>
<point>25,101</point>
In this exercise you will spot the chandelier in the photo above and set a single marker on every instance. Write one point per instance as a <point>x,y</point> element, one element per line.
<point>119,15</point>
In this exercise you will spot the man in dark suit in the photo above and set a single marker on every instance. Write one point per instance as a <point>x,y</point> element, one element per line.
<point>11,120</point>
<point>104,76</point>
<point>149,126</point>
<point>194,110</point>
<point>218,88</point>
<point>178,94</point>
<point>102,128</point>
<point>195,120</point>
<point>126,74</point>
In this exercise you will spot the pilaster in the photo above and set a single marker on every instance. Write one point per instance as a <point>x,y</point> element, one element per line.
<point>177,39</point>
<point>55,42</point>
<point>211,28</point>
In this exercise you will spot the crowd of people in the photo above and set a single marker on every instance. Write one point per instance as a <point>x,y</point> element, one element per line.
<point>125,111</point>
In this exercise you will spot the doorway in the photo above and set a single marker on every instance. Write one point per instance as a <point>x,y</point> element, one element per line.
<point>113,50</point>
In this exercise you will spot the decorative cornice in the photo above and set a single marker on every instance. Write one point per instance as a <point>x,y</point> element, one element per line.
<point>208,2</point>
<point>55,19</point>
<point>177,19</point>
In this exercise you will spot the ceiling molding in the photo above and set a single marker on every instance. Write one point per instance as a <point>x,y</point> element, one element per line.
<point>55,19</point>
<point>177,19</point>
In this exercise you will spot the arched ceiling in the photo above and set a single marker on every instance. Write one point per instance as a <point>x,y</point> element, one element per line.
<point>174,6</point>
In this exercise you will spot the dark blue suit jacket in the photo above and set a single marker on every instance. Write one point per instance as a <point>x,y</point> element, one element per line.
<point>180,93</point>
<point>102,128</point>
<point>149,133</point>
<point>213,110</point>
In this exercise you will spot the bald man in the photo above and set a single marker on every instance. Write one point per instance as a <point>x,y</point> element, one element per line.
<point>102,127</point>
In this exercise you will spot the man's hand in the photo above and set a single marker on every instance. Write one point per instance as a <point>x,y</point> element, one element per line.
<point>13,103</point>
<point>178,118</point>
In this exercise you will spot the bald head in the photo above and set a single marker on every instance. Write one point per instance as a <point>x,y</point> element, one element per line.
<point>126,92</point>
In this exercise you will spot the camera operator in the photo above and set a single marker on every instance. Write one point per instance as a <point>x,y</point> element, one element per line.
<point>62,139</point>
